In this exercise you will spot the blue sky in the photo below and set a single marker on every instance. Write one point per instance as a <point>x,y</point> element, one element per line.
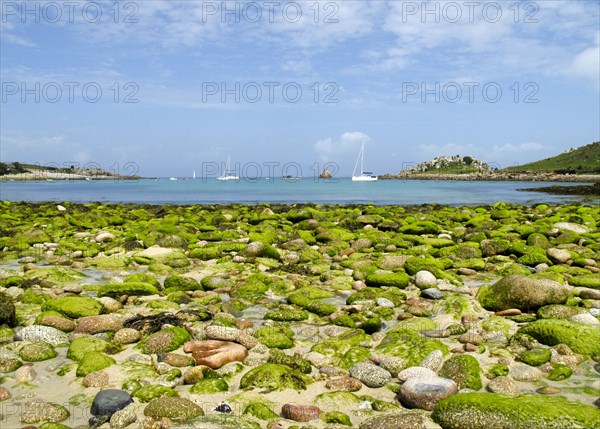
<point>186,84</point>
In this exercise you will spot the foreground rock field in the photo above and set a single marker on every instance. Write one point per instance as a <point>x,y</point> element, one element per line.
<point>299,316</point>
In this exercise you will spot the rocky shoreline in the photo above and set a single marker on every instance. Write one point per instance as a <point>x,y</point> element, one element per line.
<point>307,316</point>
<point>496,176</point>
<point>52,175</point>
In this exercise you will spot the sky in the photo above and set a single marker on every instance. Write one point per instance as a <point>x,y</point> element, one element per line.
<point>162,88</point>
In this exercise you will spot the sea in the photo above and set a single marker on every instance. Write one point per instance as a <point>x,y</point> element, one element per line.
<point>249,191</point>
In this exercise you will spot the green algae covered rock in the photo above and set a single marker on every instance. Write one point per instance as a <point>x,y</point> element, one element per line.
<point>580,338</point>
<point>55,274</point>
<point>559,372</point>
<point>173,408</point>
<point>8,315</point>
<point>278,337</point>
<point>175,283</point>
<point>209,386</point>
<point>74,306</point>
<point>587,280</point>
<point>166,340</point>
<point>82,345</point>
<point>336,417</point>
<point>294,362</point>
<point>116,290</point>
<point>287,315</point>
<point>92,362</point>
<point>464,370</point>
<point>516,291</point>
<point>397,279</point>
<point>154,391</point>
<point>273,376</point>
<point>396,296</point>
<point>337,346</point>
<point>333,400</point>
<point>536,357</point>
<point>260,411</point>
<point>219,421</point>
<point>556,311</point>
<point>353,356</point>
<point>408,344</point>
<point>415,264</point>
<point>493,410</point>
<point>36,352</point>
<point>142,278</point>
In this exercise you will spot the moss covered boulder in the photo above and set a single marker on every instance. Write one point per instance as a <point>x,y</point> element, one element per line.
<point>55,274</point>
<point>92,362</point>
<point>209,386</point>
<point>536,356</point>
<point>166,340</point>
<point>74,306</point>
<point>130,289</point>
<point>274,376</point>
<point>493,410</point>
<point>260,411</point>
<point>7,311</point>
<point>153,391</point>
<point>175,409</point>
<point>396,279</point>
<point>82,345</point>
<point>287,315</point>
<point>278,337</point>
<point>583,339</point>
<point>175,283</point>
<point>36,352</point>
<point>337,346</point>
<point>522,292</point>
<point>587,280</point>
<point>408,344</point>
<point>464,370</point>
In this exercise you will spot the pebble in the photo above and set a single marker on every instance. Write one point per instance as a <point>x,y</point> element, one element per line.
<point>95,324</point>
<point>124,417</point>
<point>36,411</point>
<point>4,394</point>
<point>58,322</point>
<point>503,384</point>
<point>110,305</point>
<point>424,279</point>
<point>126,336</point>
<point>393,364</point>
<point>359,285</point>
<point>432,293</point>
<point>509,312</point>
<point>109,401</point>
<point>332,371</point>
<point>48,334</point>
<point>590,294</point>
<point>344,384</point>
<point>466,272</point>
<point>415,371</point>
<point>96,379</point>
<point>384,302</point>
<point>175,359</point>
<point>558,255</point>
<point>222,333</point>
<point>25,374</point>
<point>571,361</point>
<point>585,319</point>
<point>523,372</point>
<point>425,393</point>
<point>433,361</point>
<point>411,420</point>
<point>370,375</point>
<point>548,390</point>
<point>300,413</point>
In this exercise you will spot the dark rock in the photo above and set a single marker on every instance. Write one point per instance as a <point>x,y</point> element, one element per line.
<point>223,407</point>
<point>432,293</point>
<point>109,401</point>
<point>7,311</point>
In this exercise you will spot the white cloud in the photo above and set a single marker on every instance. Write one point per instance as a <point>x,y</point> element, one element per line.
<point>328,148</point>
<point>587,63</point>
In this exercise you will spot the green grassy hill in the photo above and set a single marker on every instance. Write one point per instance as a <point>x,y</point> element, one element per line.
<point>585,159</point>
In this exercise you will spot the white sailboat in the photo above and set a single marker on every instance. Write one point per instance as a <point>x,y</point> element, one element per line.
<point>228,172</point>
<point>365,176</point>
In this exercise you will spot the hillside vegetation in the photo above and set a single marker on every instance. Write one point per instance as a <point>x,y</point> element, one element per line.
<point>449,165</point>
<point>583,160</point>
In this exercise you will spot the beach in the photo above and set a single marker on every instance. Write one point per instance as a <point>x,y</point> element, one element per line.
<point>299,315</point>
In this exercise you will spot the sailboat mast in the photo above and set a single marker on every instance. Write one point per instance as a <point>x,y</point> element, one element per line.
<point>362,157</point>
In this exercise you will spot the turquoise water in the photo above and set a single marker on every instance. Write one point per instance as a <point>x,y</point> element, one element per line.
<point>251,191</point>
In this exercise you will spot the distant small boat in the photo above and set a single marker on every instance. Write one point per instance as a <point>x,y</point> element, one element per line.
<point>290,178</point>
<point>365,176</point>
<point>228,172</point>
<point>172,178</point>
<point>194,174</point>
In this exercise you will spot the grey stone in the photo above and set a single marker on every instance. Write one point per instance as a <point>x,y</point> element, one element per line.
<point>415,371</point>
<point>524,372</point>
<point>432,293</point>
<point>35,333</point>
<point>503,384</point>
<point>370,375</point>
<point>425,393</point>
<point>424,279</point>
<point>410,420</point>
<point>433,360</point>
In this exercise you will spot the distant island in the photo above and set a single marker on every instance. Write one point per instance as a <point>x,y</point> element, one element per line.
<point>575,165</point>
<point>10,171</point>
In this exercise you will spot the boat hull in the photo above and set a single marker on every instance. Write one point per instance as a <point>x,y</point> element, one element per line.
<point>364,178</point>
